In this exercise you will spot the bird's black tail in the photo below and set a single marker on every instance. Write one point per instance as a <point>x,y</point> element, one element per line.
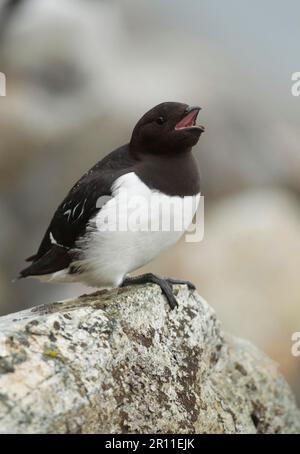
<point>56,259</point>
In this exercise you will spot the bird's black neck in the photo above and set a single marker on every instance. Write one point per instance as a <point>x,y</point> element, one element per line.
<point>176,174</point>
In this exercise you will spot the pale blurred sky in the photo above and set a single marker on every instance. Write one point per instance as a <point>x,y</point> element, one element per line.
<point>262,35</point>
<point>263,30</point>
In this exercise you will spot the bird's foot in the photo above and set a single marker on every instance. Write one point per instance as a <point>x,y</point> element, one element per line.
<point>189,284</point>
<point>164,284</point>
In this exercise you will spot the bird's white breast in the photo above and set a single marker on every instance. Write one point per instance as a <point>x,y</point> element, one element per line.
<point>132,228</point>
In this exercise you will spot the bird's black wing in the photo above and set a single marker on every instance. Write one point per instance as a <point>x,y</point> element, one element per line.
<point>67,225</point>
<point>71,218</point>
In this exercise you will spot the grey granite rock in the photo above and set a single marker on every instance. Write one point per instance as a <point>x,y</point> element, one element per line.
<point>121,362</point>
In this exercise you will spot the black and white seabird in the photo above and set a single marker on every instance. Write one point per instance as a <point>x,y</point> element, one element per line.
<point>84,242</point>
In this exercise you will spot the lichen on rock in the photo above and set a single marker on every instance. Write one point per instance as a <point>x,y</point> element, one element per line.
<point>121,361</point>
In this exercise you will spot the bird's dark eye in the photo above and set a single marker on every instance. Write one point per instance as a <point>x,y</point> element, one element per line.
<point>160,120</point>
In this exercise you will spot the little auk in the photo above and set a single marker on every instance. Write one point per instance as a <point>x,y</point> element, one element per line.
<point>85,241</point>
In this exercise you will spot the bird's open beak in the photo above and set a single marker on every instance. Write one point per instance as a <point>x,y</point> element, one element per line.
<point>189,119</point>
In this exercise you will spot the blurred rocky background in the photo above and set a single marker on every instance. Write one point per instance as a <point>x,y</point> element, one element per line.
<point>79,75</point>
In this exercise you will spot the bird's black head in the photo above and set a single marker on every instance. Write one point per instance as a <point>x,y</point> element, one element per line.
<point>168,128</point>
